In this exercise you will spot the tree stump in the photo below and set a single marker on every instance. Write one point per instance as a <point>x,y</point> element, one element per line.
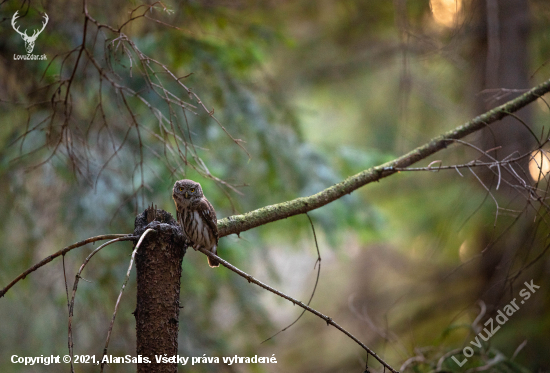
<point>158,263</point>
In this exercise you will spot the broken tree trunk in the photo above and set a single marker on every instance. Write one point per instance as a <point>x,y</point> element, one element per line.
<point>158,263</point>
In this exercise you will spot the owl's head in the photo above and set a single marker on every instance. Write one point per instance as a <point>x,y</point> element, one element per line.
<point>186,192</point>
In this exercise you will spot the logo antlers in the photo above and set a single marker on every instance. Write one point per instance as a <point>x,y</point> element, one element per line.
<point>29,40</point>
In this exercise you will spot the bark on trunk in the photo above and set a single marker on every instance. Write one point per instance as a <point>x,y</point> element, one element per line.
<point>158,263</point>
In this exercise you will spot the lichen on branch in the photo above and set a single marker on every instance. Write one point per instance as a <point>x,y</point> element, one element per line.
<point>240,223</point>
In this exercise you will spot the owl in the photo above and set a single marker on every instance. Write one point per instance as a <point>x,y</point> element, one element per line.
<point>196,216</point>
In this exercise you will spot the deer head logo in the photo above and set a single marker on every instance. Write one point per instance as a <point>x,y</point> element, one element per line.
<point>29,40</point>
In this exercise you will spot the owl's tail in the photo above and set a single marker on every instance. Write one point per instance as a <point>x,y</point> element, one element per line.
<point>213,263</point>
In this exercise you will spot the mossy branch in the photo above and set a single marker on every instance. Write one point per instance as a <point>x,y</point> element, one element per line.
<point>240,223</point>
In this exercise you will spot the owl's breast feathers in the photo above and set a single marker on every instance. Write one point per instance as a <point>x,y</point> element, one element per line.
<point>199,223</point>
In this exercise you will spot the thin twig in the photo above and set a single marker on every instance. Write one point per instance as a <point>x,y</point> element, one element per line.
<point>526,127</point>
<point>445,356</point>
<point>75,286</point>
<point>66,287</point>
<point>120,294</point>
<point>314,287</point>
<point>518,349</point>
<point>327,319</point>
<point>413,359</point>
<point>126,237</point>
<point>490,194</point>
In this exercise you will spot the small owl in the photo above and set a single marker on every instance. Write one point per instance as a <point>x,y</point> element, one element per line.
<point>196,216</point>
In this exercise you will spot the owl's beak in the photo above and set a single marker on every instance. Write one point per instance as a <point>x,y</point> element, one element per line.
<point>186,195</point>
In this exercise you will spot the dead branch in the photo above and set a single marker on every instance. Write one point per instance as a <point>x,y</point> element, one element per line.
<point>75,286</point>
<point>123,237</point>
<point>314,286</point>
<point>120,294</point>
<point>327,319</point>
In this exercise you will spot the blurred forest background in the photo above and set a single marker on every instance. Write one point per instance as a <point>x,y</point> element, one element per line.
<point>316,91</point>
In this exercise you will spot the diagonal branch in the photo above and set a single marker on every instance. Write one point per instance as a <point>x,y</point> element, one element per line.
<point>327,319</point>
<point>46,260</point>
<point>314,286</point>
<point>239,223</point>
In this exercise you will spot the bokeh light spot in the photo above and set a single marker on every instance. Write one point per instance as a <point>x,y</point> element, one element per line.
<point>445,12</point>
<point>539,165</point>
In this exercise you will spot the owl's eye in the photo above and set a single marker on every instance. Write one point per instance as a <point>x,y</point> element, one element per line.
<point>181,189</point>
<point>193,190</point>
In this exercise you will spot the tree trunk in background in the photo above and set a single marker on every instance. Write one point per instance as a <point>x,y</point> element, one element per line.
<point>158,263</point>
<point>501,60</point>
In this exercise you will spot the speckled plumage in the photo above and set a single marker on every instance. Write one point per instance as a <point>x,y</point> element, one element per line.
<point>196,216</point>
